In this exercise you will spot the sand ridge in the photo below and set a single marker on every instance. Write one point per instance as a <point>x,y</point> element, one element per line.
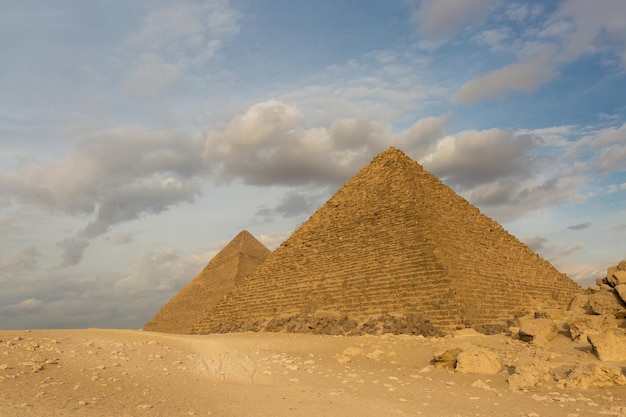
<point>133,373</point>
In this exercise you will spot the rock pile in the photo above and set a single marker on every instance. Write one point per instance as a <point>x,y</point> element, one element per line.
<point>608,296</point>
<point>594,324</point>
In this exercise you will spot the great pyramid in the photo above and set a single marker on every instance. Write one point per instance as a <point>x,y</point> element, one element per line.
<point>193,303</point>
<point>393,249</point>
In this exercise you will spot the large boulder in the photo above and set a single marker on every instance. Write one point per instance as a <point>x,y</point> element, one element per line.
<point>478,360</point>
<point>618,277</point>
<point>446,357</point>
<point>607,302</point>
<point>532,367</point>
<point>621,290</point>
<point>580,304</point>
<point>582,325</point>
<point>537,331</point>
<point>610,345</point>
<point>594,375</point>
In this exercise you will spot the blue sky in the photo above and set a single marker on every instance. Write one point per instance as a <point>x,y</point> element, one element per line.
<point>137,138</point>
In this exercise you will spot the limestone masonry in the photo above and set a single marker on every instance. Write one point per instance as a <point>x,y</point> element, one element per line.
<point>195,301</point>
<point>395,250</point>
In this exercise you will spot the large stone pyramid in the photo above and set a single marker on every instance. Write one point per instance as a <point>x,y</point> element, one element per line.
<point>394,247</point>
<point>193,303</point>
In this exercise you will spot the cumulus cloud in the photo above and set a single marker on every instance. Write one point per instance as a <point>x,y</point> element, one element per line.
<point>439,20</point>
<point>112,172</point>
<point>472,158</point>
<point>119,175</point>
<point>268,146</point>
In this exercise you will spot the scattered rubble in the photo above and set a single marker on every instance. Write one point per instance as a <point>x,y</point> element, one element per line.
<point>595,322</point>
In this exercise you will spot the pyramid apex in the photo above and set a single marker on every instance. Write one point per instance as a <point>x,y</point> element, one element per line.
<point>393,154</point>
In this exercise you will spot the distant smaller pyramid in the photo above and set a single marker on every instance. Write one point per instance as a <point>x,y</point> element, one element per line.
<point>194,302</point>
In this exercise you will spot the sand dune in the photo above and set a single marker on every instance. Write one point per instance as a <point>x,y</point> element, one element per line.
<point>133,373</point>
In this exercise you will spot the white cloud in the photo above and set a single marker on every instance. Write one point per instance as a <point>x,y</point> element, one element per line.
<point>268,146</point>
<point>576,28</point>
<point>521,76</point>
<point>439,20</point>
<point>612,158</point>
<point>177,37</point>
<point>471,158</point>
<point>118,173</point>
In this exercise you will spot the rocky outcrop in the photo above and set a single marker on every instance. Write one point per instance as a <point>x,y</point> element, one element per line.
<point>532,368</point>
<point>594,375</point>
<point>478,360</point>
<point>610,345</point>
<point>608,296</point>
<point>537,330</point>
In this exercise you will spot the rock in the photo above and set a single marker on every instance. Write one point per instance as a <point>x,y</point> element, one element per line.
<point>595,288</point>
<point>478,360</point>
<point>621,291</point>
<point>600,281</point>
<point>532,367</point>
<point>550,313</point>
<point>621,266</point>
<point>537,331</point>
<point>446,358</point>
<point>619,277</point>
<point>607,302</point>
<point>594,375</point>
<point>609,275</point>
<point>610,345</point>
<point>582,325</point>
<point>580,304</point>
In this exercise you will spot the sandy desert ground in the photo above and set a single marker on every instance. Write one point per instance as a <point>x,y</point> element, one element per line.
<point>135,373</point>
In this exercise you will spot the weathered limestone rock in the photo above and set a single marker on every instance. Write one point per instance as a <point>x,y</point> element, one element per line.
<point>537,331</point>
<point>594,375</point>
<point>621,291</point>
<point>610,345</point>
<point>607,302</point>
<point>478,360</point>
<point>580,304</point>
<point>532,367</point>
<point>582,325</point>
<point>446,357</point>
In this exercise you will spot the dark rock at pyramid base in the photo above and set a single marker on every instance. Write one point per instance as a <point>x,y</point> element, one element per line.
<point>193,302</point>
<point>394,245</point>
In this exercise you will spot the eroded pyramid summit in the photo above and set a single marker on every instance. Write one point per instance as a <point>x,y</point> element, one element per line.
<point>194,301</point>
<point>391,249</point>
